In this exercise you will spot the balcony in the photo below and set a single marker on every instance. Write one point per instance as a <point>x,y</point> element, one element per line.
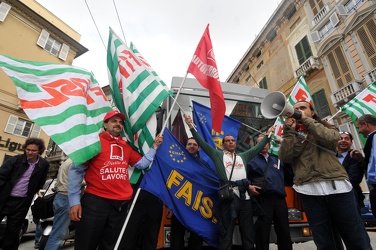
<point>370,76</point>
<point>319,16</point>
<point>346,93</point>
<point>309,65</point>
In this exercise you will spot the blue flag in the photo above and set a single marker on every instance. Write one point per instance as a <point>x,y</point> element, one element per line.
<point>202,119</point>
<point>187,186</point>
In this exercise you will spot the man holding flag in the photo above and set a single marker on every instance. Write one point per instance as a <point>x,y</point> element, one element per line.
<point>104,206</point>
<point>227,164</point>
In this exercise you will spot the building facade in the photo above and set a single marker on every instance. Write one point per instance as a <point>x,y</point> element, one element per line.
<point>28,31</point>
<point>331,42</point>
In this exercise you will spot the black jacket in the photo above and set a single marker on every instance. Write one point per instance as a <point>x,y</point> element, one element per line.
<point>12,170</point>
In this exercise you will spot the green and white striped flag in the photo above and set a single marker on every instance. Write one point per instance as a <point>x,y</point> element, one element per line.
<point>137,92</point>
<point>65,101</point>
<point>363,103</point>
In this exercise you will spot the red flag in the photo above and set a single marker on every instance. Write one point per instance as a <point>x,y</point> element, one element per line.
<point>204,68</point>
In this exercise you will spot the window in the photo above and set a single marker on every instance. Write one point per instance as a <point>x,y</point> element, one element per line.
<point>52,45</point>
<point>260,65</point>
<point>321,104</point>
<point>340,67</point>
<point>21,127</point>
<point>303,50</point>
<point>316,6</point>
<point>4,10</point>
<point>263,84</point>
<point>291,13</point>
<point>367,37</point>
<point>352,5</point>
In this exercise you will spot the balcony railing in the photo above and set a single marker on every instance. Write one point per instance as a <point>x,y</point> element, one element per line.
<point>309,65</point>
<point>346,93</point>
<point>319,16</point>
<point>370,76</point>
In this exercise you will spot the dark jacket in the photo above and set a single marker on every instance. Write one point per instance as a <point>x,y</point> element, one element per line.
<point>355,170</point>
<point>275,183</point>
<point>13,169</point>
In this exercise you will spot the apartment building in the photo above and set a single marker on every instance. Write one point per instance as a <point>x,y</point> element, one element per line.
<point>331,42</point>
<point>28,31</point>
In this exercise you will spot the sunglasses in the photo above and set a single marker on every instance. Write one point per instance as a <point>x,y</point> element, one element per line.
<point>346,133</point>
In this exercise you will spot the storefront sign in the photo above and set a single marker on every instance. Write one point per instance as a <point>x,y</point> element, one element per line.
<point>10,145</point>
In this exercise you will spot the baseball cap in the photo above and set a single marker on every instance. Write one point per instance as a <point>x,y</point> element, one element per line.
<point>112,114</point>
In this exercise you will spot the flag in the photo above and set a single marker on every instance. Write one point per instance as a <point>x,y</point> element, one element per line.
<point>363,103</point>
<point>136,92</point>
<point>178,129</point>
<point>204,68</point>
<point>186,185</point>
<point>299,93</point>
<point>65,101</point>
<point>201,117</point>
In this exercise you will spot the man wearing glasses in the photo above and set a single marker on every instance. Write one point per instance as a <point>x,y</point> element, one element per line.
<point>21,177</point>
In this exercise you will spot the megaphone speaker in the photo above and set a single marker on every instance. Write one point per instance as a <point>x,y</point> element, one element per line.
<point>274,105</point>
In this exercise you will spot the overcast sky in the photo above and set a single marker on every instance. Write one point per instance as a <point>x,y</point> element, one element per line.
<point>166,32</point>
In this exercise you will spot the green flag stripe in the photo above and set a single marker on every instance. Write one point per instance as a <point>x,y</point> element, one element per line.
<point>70,111</point>
<point>79,156</point>
<point>135,176</point>
<point>29,87</point>
<point>135,84</point>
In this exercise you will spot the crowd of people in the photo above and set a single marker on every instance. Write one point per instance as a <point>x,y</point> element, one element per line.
<point>314,158</point>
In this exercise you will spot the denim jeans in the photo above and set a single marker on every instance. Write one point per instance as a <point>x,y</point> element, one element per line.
<point>341,210</point>
<point>61,222</point>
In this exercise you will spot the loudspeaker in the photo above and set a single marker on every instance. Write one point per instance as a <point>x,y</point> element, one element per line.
<point>274,105</point>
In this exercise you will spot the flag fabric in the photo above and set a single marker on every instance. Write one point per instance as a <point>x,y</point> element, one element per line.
<point>201,118</point>
<point>363,103</point>
<point>178,129</point>
<point>186,185</point>
<point>65,101</point>
<point>203,66</point>
<point>137,92</point>
<point>299,93</point>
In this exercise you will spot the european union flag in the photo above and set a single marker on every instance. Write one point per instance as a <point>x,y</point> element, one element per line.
<point>186,185</point>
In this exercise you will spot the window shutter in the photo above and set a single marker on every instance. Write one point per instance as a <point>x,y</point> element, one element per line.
<point>64,52</point>
<point>12,121</point>
<point>341,9</point>
<point>299,53</point>
<point>36,131</point>
<point>43,38</point>
<point>321,104</point>
<point>334,19</point>
<point>315,36</point>
<point>4,10</point>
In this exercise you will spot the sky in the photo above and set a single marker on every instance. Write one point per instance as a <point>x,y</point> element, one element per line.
<point>166,32</point>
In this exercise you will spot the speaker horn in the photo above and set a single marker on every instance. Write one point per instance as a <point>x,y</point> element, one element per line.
<point>274,105</point>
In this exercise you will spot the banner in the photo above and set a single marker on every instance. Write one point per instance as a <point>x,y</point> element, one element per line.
<point>65,101</point>
<point>203,66</point>
<point>178,129</point>
<point>187,186</point>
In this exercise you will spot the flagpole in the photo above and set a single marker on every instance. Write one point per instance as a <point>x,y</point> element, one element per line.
<point>173,104</point>
<point>331,118</point>
<point>127,219</point>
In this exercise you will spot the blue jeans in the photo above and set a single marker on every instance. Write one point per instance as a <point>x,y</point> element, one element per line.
<point>61,222</point>
<point>340,210</point>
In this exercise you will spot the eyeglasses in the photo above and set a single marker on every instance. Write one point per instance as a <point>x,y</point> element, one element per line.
<point>346,133</point>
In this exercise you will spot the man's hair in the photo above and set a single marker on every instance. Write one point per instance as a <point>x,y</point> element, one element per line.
<point>368,118</point>
<point>36,141</point>
<point>316,117</point>
<point>191,138</point>
<point>223,139</point>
